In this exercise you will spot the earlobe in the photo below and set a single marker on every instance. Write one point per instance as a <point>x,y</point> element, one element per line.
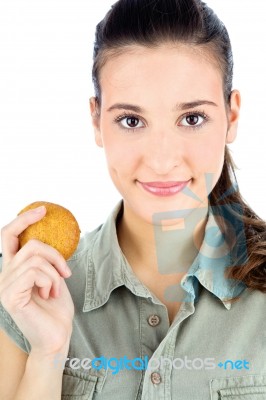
<point>233,116</point>
<point>95,116</point>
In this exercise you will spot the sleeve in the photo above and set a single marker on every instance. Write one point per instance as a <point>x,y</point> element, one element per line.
<point>8,325</point>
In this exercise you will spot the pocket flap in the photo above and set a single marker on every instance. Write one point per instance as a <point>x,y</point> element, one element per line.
<point>247,387</point>
<point>80,385</point>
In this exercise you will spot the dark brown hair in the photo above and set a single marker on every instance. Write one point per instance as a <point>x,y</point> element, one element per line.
<point>151,23</point>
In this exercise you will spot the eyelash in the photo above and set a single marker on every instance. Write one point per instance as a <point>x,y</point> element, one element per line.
<point>201,114</point>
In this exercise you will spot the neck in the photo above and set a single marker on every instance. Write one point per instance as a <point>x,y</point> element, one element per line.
<point>167,249</point>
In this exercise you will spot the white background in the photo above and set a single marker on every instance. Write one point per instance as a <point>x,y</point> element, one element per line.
<point>47,150</point>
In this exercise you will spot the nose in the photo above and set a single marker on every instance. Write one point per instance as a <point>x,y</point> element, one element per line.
<point>163,152</point>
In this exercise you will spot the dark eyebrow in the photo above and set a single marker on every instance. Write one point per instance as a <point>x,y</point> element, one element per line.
<point>124,106</point>
<point>178,107</point>
<point>194,104</point>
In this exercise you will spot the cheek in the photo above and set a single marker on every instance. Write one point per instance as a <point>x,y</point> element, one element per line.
<point>121,157</point>
<point>207,156</point>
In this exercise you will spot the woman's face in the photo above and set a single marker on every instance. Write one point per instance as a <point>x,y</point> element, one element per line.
<point>163,119</point>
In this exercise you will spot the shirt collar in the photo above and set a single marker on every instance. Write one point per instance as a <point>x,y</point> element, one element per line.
<point>107,267</point>
<point>211,265</point>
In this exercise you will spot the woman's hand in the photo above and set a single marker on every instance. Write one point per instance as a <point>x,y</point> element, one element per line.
<point>32,287</point>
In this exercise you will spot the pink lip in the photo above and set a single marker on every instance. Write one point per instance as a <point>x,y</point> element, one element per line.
<point>164,188</point>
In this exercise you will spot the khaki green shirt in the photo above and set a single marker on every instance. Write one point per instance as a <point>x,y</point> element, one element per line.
<point>213,350</point>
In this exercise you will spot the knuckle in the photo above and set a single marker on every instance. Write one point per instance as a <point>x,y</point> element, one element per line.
<point>31,273</point>
<point>36,260</point>
<point>34,246</point>
<point>44,251</point>
<point>33,243</point>
<point>41,264</point>
<point>34,273</point>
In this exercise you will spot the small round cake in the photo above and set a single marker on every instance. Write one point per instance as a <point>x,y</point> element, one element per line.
<point>58,228</point>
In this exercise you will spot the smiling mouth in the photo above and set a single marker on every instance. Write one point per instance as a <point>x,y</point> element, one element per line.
<point>164,188</point>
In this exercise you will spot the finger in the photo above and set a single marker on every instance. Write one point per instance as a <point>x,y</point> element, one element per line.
<point>18,295</point>
<point>38,263</point>
<point>34,248</point>
<point>44,292</point>
<point>10,232</point>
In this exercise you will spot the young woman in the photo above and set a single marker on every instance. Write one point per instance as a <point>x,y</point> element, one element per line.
<point>166,299</point>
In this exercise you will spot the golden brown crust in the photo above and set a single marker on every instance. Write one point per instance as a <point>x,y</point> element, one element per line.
<point>58,228</point>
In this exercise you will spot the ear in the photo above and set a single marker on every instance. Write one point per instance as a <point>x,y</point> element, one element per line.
<point>233,116</point>
<point>95,115</point>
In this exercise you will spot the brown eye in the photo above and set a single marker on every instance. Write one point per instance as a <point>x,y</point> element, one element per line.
<point>192,119</point>
<point>129,122</point>
<point>132,122</point>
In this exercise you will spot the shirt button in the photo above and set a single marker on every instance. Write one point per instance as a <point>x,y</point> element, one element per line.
<point>153,320</point>
<point>156,378</point>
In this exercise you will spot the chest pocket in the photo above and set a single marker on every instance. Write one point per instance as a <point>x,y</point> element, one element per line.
<point>248,387</point>
<point>78,385</point>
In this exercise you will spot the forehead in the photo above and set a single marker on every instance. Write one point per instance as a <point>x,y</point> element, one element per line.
<point>177,70</point>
